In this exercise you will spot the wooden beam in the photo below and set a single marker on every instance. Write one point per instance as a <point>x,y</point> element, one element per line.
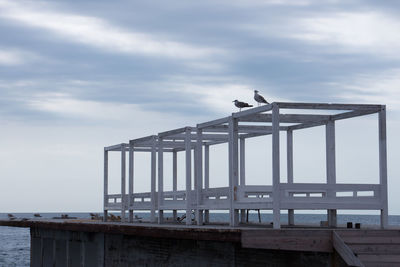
<point>175,131</point>
<point>206,177</point>
<point>331,167</point>
<point>123,183</point>
<point>188,153</point>
<point>160,180</point>
<point>383,166</point>
<point>153,180</point>
<point>213,123</point>
<point>215,137</point>
<point>291,105</point>
<point>105,186</point>
<point>354,113</point>
<point>344,251</point>
<point>242,163</point>
<point>289,155</point>
<point>275,167</point>
<point>131,166</point>
<point>174,179</point>
<point>233,170</point>
<point>285,118</point>
<point>199,176</point>
<point>251,111</point>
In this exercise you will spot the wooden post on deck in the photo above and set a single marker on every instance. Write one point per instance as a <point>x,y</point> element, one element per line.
<point>131,200</point>
<point>199,176</point>
<point>289,155</point>
<point>160,180</point>
<point>174,179</point>
<point>242,178</point>
<point>123,182</point>
<point>188,153</point>
<point>275,167</point>
<point>331,168</point>
<point>383,167</point>
<point>153,180</point>
<point>233,170</point>
<point>206,177</point>
<point>105,200</point>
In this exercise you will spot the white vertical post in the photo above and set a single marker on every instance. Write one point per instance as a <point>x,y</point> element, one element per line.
<point>174,179</point>
<point>331,168</point>
<point>123,182</point>
<point>199,176</point>
<point>160,180</point>
<point>207,177</point>
<point>383,167</point>
<point>131,200</point>
<point>153,181</point>
<point>275,167</point>
<point>233,170</point>
<point>188,153</point>
<point>105,201</point>
<point>289,146</point>
<point>242,163</point>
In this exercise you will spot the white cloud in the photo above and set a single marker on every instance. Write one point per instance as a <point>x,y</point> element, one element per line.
<point>368,32</point>
<point>99,33</point>
<point>15,57</point>
<point>378,88</point>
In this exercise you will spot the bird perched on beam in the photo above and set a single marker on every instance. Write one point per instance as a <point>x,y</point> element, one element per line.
<point>241,105</point>
<point>259,98</point>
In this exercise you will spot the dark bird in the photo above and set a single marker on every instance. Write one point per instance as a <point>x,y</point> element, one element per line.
<point>241,105</point>
<point>259,98</point>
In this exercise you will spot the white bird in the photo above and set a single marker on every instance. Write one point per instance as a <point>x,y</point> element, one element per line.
<point>241,105</point>
<point>259,98</point>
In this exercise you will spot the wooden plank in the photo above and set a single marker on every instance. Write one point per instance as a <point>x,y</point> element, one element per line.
<point>292,240</point>
<point>306,125</point>
<point>188,153</point>
<point>286,118</point>
<point>175,131</point>
<point>199,176</point>
<point>174,179</point>
<point>233,170</point>
<point>383,166</point>
<point>142,139</point>
<point>375,248</point>
<point>344,251</point>
<point>293,105</point>
<point>160,180</point>
<point>289,165</point>
<point>131,166</point>
<point>252,111</point>
<point>213,123</point>
<point>105,186</point>
<point>153,181</point>
<point>206,177</point>
<point>377,258</point>
<point>276,166</point>
<point>352,114</point>
<point>215,137</point>
<point>123,182</point>
<point>331,167</point>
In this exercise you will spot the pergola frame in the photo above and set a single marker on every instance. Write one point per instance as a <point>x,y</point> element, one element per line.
<point>238,196</point>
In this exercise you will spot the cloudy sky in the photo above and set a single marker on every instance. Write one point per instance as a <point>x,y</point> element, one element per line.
<point>76,76</point>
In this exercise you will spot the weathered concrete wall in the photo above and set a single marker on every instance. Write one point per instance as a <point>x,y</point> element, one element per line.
<point>52,247</point>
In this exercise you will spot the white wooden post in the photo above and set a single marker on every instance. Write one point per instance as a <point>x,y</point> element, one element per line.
<point>199,176</point>
<point>331,168</point>
<point>160,180</point>
<point>233,170</point>
<point>105,202</point>
<point>207,177</point>
<point>275,167</point>
<point>153,181</point>
<point>131,200</point>
<point>174,179</point>
<point>123,182</point>
<point>242,178</point>
<point>188,153</point>
<point>383,167</point>
<point>289,146</point>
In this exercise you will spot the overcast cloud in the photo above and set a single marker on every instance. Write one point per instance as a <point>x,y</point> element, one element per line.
<point>76,76</point>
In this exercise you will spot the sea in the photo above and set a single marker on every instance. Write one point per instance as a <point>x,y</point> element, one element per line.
<point>15,242</point>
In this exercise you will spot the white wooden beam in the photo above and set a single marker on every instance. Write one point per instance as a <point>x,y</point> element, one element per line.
<point>275,167</point>
<point>199,176</point>
<point>331,167</point>
<point>383,166</point>
<point>153,181</point>
<point>289,147</point>
<point>188,153</point>
<point>242,163</point>
<point>160,180</point>
<point>131,168</point>
<point>291,105</point>
<point>252,111</point>
<point>213,123</point>
<point>174,179</point>
<point>206,177</point>
<point>123,183</point>
<point>285,118</point>
<point>105,199</point>
<point>233,170</point>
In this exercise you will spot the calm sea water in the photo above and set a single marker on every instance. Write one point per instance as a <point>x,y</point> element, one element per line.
<point>15,242</point>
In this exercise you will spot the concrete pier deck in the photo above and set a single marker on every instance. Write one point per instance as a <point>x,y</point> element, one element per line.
<point>96,243</point>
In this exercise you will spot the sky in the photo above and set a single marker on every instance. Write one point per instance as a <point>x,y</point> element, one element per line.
<point>76,76</point>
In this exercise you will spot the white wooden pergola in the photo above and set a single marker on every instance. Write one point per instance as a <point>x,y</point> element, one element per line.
<point>238,197</point>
